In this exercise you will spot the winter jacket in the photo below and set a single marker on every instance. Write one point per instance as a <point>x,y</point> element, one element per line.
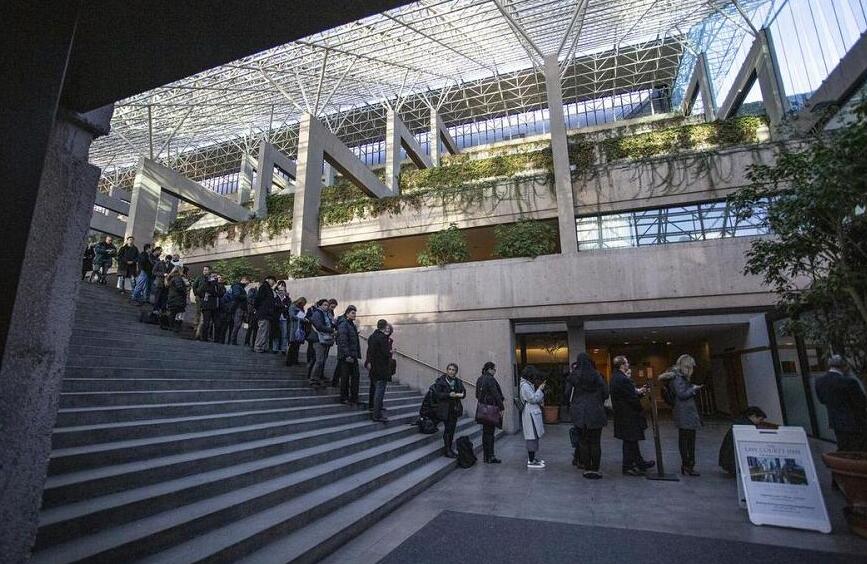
<point>177,299</point>
<point>145,262</point>
<point>104,253</point>
<point>324,326</point>
<point>446,406</point>
<point>296,320</point>
<point>629,421</point>
<point>379,356</point>
<point>844,399</point>
<point>684,411</point>
<point>239,296</point>
<point>488,391</point>
<point>347,340</point>
<point>531,416</point>
<point>587,392</point>
<point>266,308</point>
<point>127,254</point>
<point>209,294</point>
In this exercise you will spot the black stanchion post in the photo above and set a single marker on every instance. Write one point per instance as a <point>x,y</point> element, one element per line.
<point>654,422</point>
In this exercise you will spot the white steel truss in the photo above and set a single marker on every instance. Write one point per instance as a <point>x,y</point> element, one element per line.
<point>468,59</point>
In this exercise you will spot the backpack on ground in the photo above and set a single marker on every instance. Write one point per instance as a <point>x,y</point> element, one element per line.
<point>667,392</point>
<point>466,456</point>
<point>426,425</point>
<point>149,316</point>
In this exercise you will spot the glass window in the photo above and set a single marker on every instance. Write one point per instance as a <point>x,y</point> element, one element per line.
<point>791,380</point>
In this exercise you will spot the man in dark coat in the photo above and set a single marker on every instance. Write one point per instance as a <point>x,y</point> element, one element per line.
<point>239,307</point>
<point>127,256</point>
<point>104,252</point>
<point>448,391</point>
<point>629,421</point>
<point>349,354</point>
<point>844,398</point>
<point>209,293</point>
<point>197,282</point>
<point>378,356</point>
<point>266,310</point>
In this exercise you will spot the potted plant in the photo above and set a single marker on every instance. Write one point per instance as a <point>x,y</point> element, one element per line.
<point>553,399</point>
<point>850,473</point>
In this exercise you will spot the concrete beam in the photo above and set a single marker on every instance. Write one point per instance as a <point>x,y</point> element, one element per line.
<point>153,181</point>
<point>440,134</point>
<point>269,156</point>
<point>245,180</point>
<point>397,136</point>
<point>760,64</point>
<point>315,145</point>
<point>112,203</point>
<point>849,74</point>
<point>108,224</point>
<point>560,150</point>
<point>700,84</point>
<point>167,212</point>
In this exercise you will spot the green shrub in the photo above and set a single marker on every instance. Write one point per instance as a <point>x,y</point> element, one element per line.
<point>444,247</point>
<point>526,238</point>
<point>233,269</point>
<point>364,257</point>
<point>303,266</point>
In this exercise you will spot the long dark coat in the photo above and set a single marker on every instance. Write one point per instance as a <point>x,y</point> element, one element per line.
<point>447,406</point>
<point>488,391</point>
<point>629,421</point>
<point>845,401</point>
<point>378,355</point>
<point>588,392</point>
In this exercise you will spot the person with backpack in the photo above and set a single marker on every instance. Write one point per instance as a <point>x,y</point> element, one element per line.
<point>238,292</point>
<point>312,336</point>
<point>488,393</point>
<point>532,396</point>
<point>587,391</point>
<point>297,329</point>
<point>176,299</point>
<point>448,391</point>
<point>629,421</point>
<point>325,330</point>
<point>681,394</point>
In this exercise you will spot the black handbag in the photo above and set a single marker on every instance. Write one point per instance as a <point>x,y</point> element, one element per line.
<point>488,415</point>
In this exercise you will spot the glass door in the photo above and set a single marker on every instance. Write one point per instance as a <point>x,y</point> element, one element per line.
<point>792,379</point>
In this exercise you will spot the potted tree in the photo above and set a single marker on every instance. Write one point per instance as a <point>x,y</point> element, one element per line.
<point>850,473</point>
<point>553,398</point>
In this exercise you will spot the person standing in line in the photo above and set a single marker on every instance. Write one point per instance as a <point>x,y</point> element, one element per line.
<point>197,282</point>
<point>282,302</point>
<point>448,392</point>
<point>176,299</point>
<point>127,256</point>
<point>209,293</point>
<point>239,307</point>
<point>532,392</point>
<point>87,261</point>
<point>843,396</point>
<point>145,265</point>
<point>324,325</point>
<point>349,353</point>
<point>338,369</point>
<point>223,316</point>
<point>160,271</point>
<point>297,329</point>
<point>588,392</point>
<point>312,336</point>
<point>379,364</point>
<point>629,421</point>
<point>104,253</point>
<point>684,411</point>
<point>252,322</point>
<point>488,392</point>
<point>265,311</point>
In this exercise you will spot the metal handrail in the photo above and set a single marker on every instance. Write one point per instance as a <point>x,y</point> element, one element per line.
<point>419,361</point>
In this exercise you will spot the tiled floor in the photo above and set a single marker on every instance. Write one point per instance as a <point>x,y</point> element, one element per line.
<point>704,506</point>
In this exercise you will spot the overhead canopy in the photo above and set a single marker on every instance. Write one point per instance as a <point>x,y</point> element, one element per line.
<point>470,59</point>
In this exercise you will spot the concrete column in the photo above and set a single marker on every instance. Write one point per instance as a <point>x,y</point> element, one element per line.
<point>392,152</point>
<point>143,209</point>
<point>560,150</point>
<point>434,142</point>
<point>770,80</point>
<point>38,334</point>
<point>264,179</point>
<point>308,190</point>
<point>575,339</point>
<point>245,179</point>
<point>167,212</point>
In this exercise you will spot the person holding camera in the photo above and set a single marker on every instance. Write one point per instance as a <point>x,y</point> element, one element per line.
<point>448,390</point>
<point>684,410</point>
<point>209,293</point>
<point>629,421</point>
<point>532,392</point>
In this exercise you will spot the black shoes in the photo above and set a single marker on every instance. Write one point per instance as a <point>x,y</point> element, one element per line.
<point>380,419</point>
<point>493,460</point>
<point>687,471</point>
<point>633,472</point>
<point>591,475</point>
<point>449,453</point>
<point>647,464</point>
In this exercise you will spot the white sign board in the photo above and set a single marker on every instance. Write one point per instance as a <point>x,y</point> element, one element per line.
<point>778,478</point>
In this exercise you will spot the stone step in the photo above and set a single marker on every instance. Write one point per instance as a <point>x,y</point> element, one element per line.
<point>125,430</point>
<point>238,539</point>
<point>76,458</point>
<point>134,350</point>
<point>304,491</point>
<point>233,372</point>
<point>242,359</point>
<point>110,385</point>
<point>321,537</point>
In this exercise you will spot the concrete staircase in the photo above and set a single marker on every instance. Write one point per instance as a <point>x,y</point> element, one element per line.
<point>170,450</point>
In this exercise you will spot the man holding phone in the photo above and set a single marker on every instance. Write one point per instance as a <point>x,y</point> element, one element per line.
<point>629,421</point>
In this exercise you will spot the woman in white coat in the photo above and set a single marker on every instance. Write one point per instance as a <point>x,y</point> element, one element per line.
<point>532,397</point>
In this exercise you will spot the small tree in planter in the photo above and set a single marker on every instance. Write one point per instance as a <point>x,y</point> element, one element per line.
<point>526,238</point>
<point>364,257</point>
<point>301,266</point>
<point>553,397</point>
<point>444,247</point>
<point>233,269</point>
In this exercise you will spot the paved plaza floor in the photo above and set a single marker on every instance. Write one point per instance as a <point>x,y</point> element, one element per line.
<point>705,506</point>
